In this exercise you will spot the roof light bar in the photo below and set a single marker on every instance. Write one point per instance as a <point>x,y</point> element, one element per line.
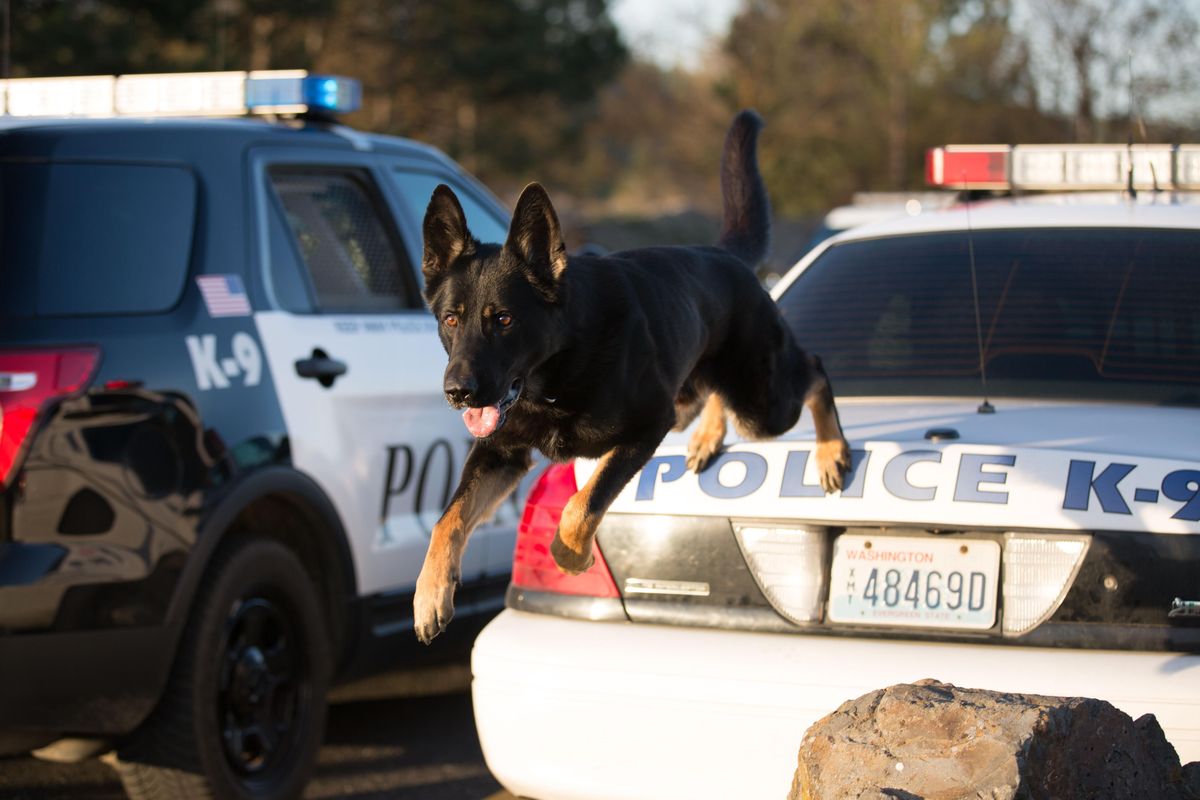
<point>60,97</point>
<point>1063,167</point>
<point>1187,166</point>
<point>205,93</point>
<point>181,95</point>
<point>963,167</point>
<point>296,91</point>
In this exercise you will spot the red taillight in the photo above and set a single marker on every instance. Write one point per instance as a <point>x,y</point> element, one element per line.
<point>533,566</point>
<point>28,380</point>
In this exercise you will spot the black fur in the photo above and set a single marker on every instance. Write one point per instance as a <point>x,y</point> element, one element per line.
<point>612,352</point>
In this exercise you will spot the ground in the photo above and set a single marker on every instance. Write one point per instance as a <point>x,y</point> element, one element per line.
<point>395,749</point>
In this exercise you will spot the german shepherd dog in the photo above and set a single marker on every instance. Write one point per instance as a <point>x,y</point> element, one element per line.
<point>599,357</point>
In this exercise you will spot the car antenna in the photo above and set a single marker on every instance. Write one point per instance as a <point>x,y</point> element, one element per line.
<point>6,67</point>
<point>985,407</point>
<point>1129,187</point>
<point>1135,117</point>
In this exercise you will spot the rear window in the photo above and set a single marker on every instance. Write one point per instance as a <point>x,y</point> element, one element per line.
<point>84,239</point>
<point>1085,314</point>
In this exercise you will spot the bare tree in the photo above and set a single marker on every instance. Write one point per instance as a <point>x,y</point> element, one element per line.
<point>858,90</point>
<point>1106,56</point>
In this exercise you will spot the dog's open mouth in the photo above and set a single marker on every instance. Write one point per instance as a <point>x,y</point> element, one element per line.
<point>483,422</point>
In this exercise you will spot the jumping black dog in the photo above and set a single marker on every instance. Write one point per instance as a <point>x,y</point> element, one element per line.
<point>599,357</point>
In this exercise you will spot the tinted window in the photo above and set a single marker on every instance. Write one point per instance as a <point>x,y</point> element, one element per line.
<point>1080,313</point>
<point>417,188</point>
<point>346,239</point>
<point>94,238</point>
<point>289,277</point>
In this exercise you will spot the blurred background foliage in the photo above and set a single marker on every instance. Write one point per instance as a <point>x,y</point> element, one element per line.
<point>853,91</point>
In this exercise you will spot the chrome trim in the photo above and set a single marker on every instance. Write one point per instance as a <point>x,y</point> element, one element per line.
<point>656,586</point>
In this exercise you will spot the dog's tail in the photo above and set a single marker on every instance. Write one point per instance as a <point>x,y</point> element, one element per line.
<point>746,221</point>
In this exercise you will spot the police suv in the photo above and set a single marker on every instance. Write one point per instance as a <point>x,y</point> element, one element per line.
<point>1019,380</point>
<point>223,441</point>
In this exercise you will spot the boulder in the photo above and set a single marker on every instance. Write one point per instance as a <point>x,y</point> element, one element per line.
<point>935,741</point>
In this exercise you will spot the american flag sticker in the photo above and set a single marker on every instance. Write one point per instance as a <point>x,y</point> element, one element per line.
<point>224,295</point>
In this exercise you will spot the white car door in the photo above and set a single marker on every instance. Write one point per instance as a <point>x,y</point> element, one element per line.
<point>414,182</point>
<point>358,363</point>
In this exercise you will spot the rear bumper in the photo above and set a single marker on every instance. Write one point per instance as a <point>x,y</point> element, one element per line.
<point>101,682</point>
<point>573,710</point>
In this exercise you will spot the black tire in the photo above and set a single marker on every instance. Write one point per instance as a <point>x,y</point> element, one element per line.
<point>254,660</point>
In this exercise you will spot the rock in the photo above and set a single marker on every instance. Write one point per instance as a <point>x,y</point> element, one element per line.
<point>935,741</point>
<point>1191,780</point>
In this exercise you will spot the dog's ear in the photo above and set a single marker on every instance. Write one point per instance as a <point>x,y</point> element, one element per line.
<point>536,238</point>
<point>445,232</point>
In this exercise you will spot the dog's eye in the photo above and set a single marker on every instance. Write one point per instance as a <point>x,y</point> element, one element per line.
<point>504,320</point>
<point>450,320</point>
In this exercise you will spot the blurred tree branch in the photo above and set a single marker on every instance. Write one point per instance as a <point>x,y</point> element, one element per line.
<point>853,91</point>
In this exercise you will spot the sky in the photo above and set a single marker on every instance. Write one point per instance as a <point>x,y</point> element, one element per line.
<point>678,33</point>
<point>672,33</point>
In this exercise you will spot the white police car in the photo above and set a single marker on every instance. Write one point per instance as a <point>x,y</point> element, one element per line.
<point>1019,381</point>
<point>223,440</point>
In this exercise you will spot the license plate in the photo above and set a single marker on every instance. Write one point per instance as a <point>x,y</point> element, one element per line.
<point>914,582</point>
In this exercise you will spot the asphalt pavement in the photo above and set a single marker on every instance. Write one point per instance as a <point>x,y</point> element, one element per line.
<point>394,749</point>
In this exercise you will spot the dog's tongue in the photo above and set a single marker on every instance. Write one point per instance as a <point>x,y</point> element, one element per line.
<point>482,422</point>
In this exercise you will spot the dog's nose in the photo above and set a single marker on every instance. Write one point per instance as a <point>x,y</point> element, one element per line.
<point>460,388</point>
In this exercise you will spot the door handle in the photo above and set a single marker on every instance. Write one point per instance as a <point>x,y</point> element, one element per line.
<point>320,367</point>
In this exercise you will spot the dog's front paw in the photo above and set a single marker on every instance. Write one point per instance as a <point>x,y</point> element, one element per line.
<point>833,462</point>
<point>709,436</point>
<point>433,606</point>
<point>572,562</point>
<point>701,451</point>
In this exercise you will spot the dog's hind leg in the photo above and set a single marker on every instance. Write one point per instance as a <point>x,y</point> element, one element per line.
<point>488,477</point>
<point>572,545</point>
<point>767,398</point>
<point>833,452</point>
<point>709,436</point>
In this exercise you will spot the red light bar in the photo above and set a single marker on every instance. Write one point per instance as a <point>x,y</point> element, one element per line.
<point>1064,167</point>
<point>973,167</point>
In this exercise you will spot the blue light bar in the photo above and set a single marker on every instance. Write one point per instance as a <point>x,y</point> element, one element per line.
<point>181,95</point>
<point>300,92</point>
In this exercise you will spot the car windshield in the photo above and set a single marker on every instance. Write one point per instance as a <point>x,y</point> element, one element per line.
<point>1081,313</point>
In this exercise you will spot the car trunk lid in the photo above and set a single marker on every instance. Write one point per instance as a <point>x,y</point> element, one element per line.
<point>939,463</point>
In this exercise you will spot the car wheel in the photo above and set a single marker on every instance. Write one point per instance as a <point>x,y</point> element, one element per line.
<point>243,712</point>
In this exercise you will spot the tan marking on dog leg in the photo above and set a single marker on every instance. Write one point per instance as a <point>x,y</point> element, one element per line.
<point>833,451</point>
<point>433,604</point>
<point>833,462</point>
<point>572,545</point>
<point>709,436</point>
<point>483,487</point>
